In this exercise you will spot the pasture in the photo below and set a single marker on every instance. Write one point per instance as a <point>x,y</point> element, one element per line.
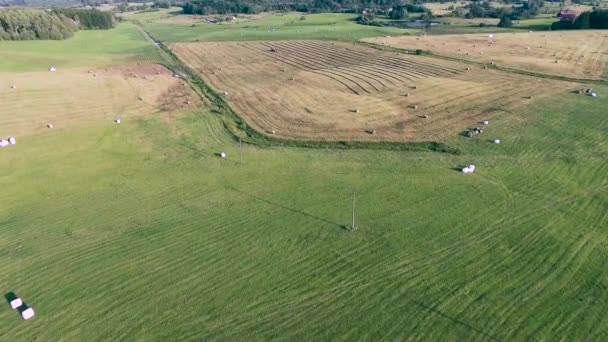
<point>268,26</point>
<point>576,54</point>
<point>139,231</point>
<point>333,91</point>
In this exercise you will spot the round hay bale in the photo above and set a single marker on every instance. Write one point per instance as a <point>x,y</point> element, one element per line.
<point>12,140</point>
<point>530,97</point>
<point>468,69</point>
<point>426,116</point>
<point>223,154</point>
<point>140,98</point>
<point>496,141</point>
<point>13,87</point>
<point>187,102</point>
<point>4,143</point>
<point>415,106</point>
<point>49,125</point>
<point>486,122</point>
<point>116,121</point>
<point>16,303</point>
<point>27,313</point>
<point>293,78</point>
<point>485,66</point>
<point>225,93</point>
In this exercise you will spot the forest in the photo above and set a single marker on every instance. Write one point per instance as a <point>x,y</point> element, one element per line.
<point>30,24</point>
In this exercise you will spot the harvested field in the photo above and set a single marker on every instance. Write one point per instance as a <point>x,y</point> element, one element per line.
<point>70,96</point>
<point>579,54</point>
<point>333,91</point>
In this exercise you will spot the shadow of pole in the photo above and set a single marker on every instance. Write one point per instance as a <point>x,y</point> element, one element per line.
<point>341,226</point>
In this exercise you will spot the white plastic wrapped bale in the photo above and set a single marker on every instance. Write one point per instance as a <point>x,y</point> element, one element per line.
<point>49,125</point>
<point>53,69</point>
<point>4,143</point>
<point>594,94</point>
<point>472,167</point>
<point>223,155</point>
<point>27,313</point>
<point>486,122</point>
<point>117,121</point>
<point>16,303</point>
<point>466,170</point>
<point>497,141</point>
<point>12,140</point>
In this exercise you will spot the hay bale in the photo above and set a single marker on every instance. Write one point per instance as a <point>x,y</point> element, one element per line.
<point>27,313</point>
<point>496,141</point>
<point>16,303</point>
<point>284,70</point>
<point>414,106</point>
<point>486,122</point>
<point>4,143</point>
<point>485,66</point>
<point>556,61</point>
<point>116,121</point>
<point>140,98</point>
<point>223,154</point>
<point>225,93</point>
<point>466,170</point>
<point>426,116</point>
<point>187,102</point>
<point>530,97</point>
<point>13,87</point>
<point>468,69</point>
<point>12,140</point>
<point>49,125</point>
<point>472,167</point>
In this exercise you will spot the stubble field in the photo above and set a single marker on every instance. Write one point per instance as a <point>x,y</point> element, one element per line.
<point>338,91</point>
<point>576,54</point>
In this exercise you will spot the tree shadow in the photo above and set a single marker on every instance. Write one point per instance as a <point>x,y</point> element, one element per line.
<point>341,226</point>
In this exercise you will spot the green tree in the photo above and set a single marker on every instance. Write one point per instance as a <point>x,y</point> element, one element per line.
<point>505,21</point>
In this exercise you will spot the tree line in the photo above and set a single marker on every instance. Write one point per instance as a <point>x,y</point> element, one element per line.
<point>30,24</point>
<point>597,19</point>
<point>311,6</point>
<point>88,19</point>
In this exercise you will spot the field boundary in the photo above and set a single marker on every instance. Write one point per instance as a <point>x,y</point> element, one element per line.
<point>237,128</point>
<point>482,64</point>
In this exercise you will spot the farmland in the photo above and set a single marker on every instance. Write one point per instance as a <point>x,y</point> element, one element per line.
<point>577,54</point>
<point>328,91</point>
<point>139,231</point>
<point>268,26</point>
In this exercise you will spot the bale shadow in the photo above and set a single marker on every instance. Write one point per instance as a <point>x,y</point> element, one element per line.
<point>278,205</point>
<point>10,296</point>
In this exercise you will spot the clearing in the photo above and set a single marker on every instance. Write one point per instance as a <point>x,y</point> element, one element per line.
<point>339,91</point>
<point>577,54</point>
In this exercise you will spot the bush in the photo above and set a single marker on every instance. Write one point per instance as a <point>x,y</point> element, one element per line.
<point>419,52</point>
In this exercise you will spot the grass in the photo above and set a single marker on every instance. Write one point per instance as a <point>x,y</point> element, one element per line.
<point>86,48</point>
<point>271,27</point>
<point>157,238</point>
<point>140,232</point>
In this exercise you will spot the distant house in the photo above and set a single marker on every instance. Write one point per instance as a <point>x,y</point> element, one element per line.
<point>568,14</point>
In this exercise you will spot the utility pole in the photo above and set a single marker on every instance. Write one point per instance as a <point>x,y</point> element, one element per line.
<point>353,223</point>
<point>241,150</point>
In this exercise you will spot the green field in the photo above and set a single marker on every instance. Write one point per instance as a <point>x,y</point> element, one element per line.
<point>86,48</point>
<point>268,27</point>
<point>139,232</point>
